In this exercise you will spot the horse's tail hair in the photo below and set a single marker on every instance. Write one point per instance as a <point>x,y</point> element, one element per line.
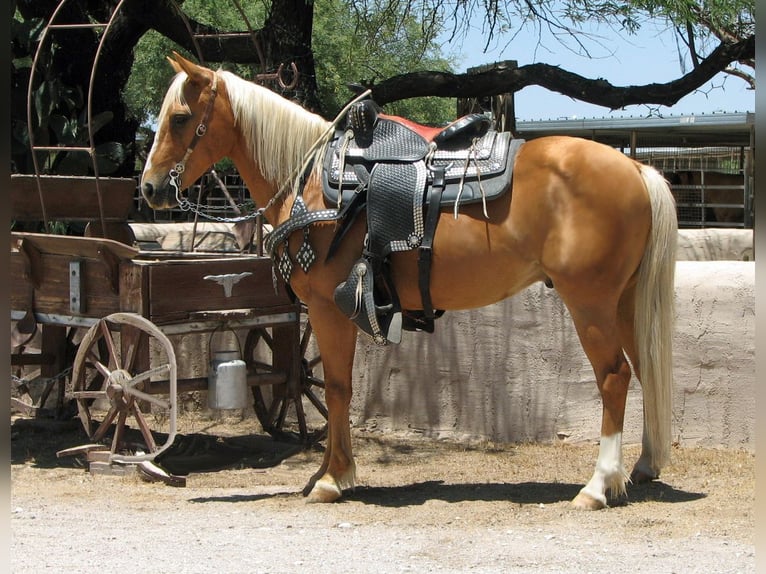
<point>655,317</point>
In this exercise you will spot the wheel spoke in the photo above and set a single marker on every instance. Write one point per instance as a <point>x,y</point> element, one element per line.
<point>132,339</point>
<point>104,426</point>
<point>318,405</point>
<point>280,422</point>
<point>119,430</point>
<point>114,360</point>
<point>143,426</point>
<point>313,362</point>
<point>273,413</point>
<point>133,392</point>
<point>306,338</point>
<point>84,413</point>
<point>102,369</point>
<point>267,338</point>
<point>314,381</point>
<point>147,375</point>
<point>304,431</point>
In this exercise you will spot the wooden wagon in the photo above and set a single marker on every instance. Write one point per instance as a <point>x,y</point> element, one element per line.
<point>104,312</point>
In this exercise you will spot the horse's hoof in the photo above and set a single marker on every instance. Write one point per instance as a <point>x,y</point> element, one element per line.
<point>584,501</point>
<point>639,476</point>
<point>324,492</point>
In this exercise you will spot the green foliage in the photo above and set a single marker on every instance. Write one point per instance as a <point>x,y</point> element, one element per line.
<point>375,45</point>
<point>372,49</point>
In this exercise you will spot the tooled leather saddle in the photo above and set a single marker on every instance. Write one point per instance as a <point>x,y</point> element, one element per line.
<point>402,175</point>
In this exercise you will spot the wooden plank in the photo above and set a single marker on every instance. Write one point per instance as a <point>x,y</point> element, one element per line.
<point>179,288</point>
<point>52,294</point>
<point>117,230</point>
<point>70,198</point>
<point>134,289</point>
<point>88,247</point>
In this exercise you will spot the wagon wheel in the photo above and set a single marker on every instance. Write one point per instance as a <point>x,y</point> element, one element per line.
<point>294,407</point>
<point>109,368</point>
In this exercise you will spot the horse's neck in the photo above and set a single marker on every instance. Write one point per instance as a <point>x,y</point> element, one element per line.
<point>280,143</point>
<point>262,191</point>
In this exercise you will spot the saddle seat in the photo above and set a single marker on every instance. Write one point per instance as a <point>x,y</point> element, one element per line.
<point>458,134</point>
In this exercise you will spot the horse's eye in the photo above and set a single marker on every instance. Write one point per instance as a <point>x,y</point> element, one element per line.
<point>179,120</point>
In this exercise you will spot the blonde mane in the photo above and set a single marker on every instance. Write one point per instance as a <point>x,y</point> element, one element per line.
<point>279,133</point>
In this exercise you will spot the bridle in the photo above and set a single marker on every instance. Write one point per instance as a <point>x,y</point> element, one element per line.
<point>178,169</point>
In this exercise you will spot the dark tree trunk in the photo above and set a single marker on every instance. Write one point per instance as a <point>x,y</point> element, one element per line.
<point>287,39</point>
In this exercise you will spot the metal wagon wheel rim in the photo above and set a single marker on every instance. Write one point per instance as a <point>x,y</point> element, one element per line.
<point>107,368</point>
<point>283,405</point>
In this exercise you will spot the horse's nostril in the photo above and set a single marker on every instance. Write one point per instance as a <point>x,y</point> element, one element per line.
<point>147,190</point>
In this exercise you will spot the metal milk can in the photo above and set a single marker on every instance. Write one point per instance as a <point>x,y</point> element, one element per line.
<point>227,379</point>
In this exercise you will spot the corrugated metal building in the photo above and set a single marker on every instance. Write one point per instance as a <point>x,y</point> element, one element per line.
<point>708,158</point>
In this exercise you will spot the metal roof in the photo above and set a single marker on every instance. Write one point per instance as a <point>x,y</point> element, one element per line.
<point>696,130</point>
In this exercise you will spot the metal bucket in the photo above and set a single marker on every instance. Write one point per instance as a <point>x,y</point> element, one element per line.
<point>227,381</point>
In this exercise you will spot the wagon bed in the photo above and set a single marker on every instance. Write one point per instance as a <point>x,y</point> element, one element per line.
<point>63,285</point>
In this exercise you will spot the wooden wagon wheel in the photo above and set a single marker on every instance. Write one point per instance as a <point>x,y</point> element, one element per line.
<point>292,407</point>
<point>110,365</point>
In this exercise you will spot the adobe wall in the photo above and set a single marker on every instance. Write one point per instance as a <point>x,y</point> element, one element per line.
<point>515,371</point>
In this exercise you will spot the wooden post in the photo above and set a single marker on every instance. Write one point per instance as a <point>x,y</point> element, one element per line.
<point>54,345</point>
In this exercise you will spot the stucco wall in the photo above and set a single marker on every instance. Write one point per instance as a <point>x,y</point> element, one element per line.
<point>515,371</point>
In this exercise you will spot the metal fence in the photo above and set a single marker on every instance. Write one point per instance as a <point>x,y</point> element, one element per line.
<point>711,184</point>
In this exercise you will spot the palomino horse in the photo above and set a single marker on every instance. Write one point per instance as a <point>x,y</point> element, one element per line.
<point>598,226</point>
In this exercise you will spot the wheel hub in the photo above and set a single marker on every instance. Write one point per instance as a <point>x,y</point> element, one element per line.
<point>115,385</point>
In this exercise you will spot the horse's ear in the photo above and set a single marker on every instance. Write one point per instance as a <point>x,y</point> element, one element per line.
<point>176,68</point>
<point>196,73</point>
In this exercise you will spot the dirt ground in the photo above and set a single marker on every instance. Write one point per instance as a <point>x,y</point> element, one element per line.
<point>420,505</point>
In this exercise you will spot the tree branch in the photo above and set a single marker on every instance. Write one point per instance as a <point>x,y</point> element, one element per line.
<point>503,79</point>
<point>216,46</point>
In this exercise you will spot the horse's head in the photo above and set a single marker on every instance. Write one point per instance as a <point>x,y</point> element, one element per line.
<point>181,153</point>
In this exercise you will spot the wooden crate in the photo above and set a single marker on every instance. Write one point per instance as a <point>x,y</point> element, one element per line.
<point>67,275</point>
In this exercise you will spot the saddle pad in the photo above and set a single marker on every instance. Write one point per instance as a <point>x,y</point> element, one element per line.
<point>488,163</point>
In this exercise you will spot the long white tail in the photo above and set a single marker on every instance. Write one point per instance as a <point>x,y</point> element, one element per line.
<point>654,320</point>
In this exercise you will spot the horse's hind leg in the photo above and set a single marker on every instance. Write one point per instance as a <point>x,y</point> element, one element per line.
<point>599,334</point>
<point>336,339</point>
<point>642,470</point>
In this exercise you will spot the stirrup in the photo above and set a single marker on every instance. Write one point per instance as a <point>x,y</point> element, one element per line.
<point>355,298</point>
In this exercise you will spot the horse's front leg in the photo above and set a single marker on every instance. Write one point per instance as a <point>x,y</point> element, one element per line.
<point>336,338</point>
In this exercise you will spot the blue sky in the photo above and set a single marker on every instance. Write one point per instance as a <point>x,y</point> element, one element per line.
<point>649,56</point>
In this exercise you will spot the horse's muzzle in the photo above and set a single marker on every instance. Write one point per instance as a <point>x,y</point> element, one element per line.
<point>158,197</point>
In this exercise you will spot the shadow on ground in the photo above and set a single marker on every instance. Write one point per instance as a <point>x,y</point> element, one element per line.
<point>522,493</point>
<point>36,441</point>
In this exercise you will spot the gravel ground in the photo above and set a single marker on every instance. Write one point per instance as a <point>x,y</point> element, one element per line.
<point>420,505</point>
